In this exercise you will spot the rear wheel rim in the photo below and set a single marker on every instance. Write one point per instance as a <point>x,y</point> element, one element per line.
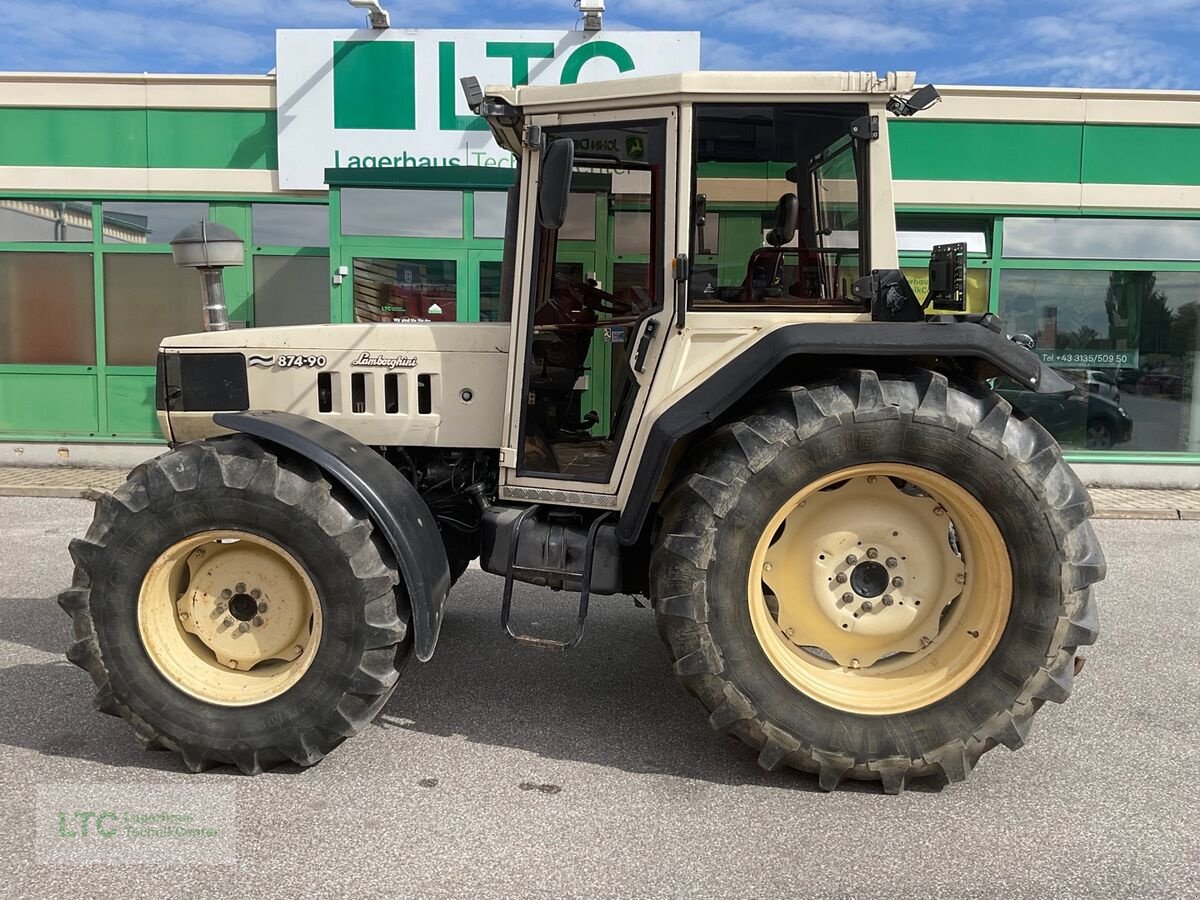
<point>229,617</point>
<point>880,588</point>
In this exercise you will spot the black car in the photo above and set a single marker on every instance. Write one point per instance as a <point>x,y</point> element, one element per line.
<point>1079,419</point>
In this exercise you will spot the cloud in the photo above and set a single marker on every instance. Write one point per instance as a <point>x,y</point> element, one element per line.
<point>1120,43</point>
<point>1069,51</point>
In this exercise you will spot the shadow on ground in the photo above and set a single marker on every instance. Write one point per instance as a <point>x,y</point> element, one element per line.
<point>613,701</point>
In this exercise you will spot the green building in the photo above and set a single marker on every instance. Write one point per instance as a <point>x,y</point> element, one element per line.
<point>1080,209</point>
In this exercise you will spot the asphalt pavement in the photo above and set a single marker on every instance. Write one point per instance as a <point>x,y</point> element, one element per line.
<point>500,771</point>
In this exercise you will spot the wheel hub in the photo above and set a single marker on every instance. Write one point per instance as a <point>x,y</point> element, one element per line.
<point>229,617</point>
<point>869,579</point>
<point>863,571</point>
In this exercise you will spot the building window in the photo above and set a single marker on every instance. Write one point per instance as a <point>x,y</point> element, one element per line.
<point>398,290</point>
<point>152,222</point>
<point>290,224</point>
<point>146,298</point>
<point>291,290</point>
<point>46,221</point>
<point>1127,339</point>
<point>47,309</point>
<point>1076,238</point>
<point>491,207</point>
<point>388,212</point>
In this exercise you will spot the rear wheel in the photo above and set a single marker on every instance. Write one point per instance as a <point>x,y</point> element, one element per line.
<point>876,579</point>
<point>235,607</point>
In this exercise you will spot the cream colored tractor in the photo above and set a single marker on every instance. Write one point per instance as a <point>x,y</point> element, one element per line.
<point>703,380</point>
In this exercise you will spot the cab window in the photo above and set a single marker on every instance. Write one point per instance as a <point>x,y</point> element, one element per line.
<point>779,212</point>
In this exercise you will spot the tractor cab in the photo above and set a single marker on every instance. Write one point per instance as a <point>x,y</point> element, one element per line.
<point>734,203</point>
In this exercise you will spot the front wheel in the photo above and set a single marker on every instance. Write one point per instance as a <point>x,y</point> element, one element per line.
<point>235,607</point>
<point>876,578</point>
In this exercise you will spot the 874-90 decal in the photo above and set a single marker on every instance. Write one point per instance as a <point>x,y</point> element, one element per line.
<point>293,361</point>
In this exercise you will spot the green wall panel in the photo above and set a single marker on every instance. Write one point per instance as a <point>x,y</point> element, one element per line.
<point>137,138</point>
<point>1141,154</point>
<point>48,403</point>
<point>211,139</point>
<point>73,137</point>
<point>985,151</point>
<point>131,405</point>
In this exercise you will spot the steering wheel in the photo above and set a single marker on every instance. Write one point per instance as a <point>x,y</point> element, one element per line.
<point>594,298</point>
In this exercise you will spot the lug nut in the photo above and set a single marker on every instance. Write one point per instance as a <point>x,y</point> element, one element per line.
<point>243,628</point>
<point>867,606</point>
<point>257,620</point>
<point>256,593</point>
<point>262,606</point>
<point>892,562</point>
<point>851,560</point>
<point>887,600</point>
<point>897,581</point>
<point>840,577</point>
<point>847,597</point>
<point>226,594</point>
<point>240,587</point>
<point>872,553</point>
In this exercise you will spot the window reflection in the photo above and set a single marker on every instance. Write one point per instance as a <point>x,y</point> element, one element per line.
<point>148,223</point>
<point>390,212</point>
<point>490,209</point>
<point>52,221</point>
<point>1075,238</point>
<point>1127,339</point>
<point>290,224</point>
<point>405,290</point>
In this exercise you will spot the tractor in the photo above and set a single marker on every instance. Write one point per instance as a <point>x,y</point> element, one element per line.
<point>862,560</point>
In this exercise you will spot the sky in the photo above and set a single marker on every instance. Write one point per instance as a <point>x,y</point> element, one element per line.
<point>1086,43</point>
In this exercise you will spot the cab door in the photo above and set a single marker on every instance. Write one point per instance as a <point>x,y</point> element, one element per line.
<point>591,310</point>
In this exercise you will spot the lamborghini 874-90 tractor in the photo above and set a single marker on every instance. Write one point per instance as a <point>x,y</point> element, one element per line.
<point>722,395</point>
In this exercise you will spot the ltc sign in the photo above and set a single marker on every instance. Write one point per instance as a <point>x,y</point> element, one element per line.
<point>388,99</point>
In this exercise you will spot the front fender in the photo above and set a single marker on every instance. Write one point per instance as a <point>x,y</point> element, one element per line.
<point>393,504</point>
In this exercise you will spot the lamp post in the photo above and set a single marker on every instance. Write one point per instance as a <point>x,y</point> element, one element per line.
<point>209,247</point>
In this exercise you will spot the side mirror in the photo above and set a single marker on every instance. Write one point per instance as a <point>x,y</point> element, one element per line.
<point>554,187</point>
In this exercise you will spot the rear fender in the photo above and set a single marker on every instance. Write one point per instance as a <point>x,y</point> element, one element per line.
<point>393,504</point>
<point>978,343</point>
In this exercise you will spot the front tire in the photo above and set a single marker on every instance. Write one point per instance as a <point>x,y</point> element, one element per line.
<point>236,608</point>
<point>775,623</point>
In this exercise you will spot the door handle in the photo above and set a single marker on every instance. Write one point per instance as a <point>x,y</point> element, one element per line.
<point>643,347</point>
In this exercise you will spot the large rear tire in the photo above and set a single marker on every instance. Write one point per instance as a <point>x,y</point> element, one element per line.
<point>235,607</point>
<point>877,579</point>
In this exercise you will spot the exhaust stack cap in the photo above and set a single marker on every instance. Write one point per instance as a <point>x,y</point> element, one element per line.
<point>207,245</point>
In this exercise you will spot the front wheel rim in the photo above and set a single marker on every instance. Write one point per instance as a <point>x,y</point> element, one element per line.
<point>229,617</point>
<point>880,588</point>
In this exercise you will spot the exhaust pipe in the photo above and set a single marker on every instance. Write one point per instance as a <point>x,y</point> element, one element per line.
<point>209,247</point>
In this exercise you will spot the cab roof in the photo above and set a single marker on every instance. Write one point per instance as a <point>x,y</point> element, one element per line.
<point>704,86</point>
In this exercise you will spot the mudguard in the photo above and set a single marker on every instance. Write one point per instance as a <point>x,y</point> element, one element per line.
<point>979,342</point>
<point>392,502</point>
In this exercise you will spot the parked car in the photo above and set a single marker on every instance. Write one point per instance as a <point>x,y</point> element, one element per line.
<point>1082,418</point>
